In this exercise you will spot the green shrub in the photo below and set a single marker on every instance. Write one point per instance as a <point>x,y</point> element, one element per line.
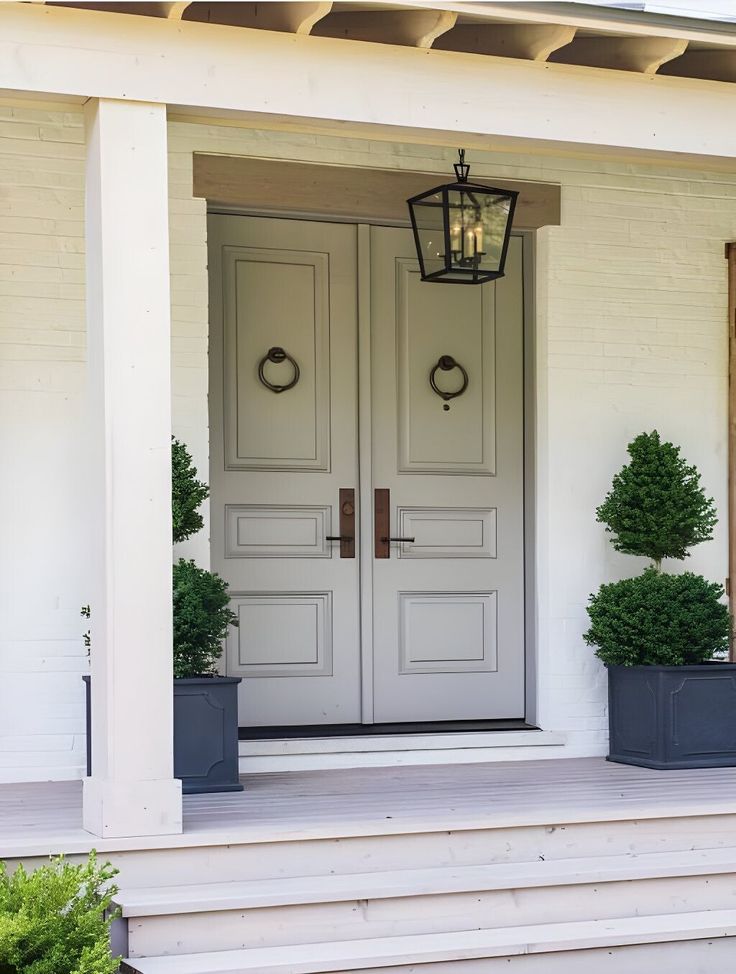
<point>656,506</point>
<point>657,618</point>
<point>201,619</point>
<point>52,920</point>
<point>187,493</point>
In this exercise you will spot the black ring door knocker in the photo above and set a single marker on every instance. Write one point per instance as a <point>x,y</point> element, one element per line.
<point>446,363</point>
<point>278,355</point>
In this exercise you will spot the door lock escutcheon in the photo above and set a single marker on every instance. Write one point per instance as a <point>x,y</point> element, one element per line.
<point>346,537</point>
<point>382,524</point>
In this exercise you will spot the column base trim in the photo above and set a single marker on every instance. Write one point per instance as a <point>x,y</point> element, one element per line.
<point>119,809</point>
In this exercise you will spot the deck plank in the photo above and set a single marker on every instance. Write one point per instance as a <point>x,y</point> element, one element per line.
<point>45,817</point>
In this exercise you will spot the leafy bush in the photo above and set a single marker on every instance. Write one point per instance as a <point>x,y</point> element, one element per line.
<point>656,506</point>
<point>658,619</point>
<point>187,493</point>
<point>52,920</point>
<point>201,619</point>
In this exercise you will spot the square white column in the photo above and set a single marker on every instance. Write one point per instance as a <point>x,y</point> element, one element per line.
<point>132,790</point>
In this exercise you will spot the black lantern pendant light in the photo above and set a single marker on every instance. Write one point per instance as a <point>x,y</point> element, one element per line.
<point>462,229</point>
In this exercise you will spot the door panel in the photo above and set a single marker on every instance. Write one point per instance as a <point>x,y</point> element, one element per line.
<point>448,606</point>
<point>279,459</point>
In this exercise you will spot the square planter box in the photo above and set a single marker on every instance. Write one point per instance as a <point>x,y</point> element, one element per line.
<point>205,733</point>
<point>673,716</point>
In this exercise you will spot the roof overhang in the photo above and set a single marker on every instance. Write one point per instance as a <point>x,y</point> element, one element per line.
<point>397,69</point>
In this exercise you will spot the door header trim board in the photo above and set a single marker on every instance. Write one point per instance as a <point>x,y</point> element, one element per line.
<point>347,192</point>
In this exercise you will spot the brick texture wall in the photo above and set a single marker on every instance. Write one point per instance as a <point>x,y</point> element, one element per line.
<point>631,334</point>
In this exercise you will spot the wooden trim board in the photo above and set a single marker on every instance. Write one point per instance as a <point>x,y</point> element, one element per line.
<point>362,195</point>
<point>731,581</point>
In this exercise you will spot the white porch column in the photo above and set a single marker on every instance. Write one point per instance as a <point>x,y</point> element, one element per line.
<point>132,790</point>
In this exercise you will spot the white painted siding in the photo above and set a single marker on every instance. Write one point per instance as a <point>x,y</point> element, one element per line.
<point>631,324</point>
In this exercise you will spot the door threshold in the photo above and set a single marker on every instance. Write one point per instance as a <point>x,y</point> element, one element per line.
<point>372,730</point>
<point>385,749</point>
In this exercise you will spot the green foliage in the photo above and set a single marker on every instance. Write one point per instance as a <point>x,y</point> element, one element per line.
<point>656,506</point>
<point>187,493</point>
<point>52,920</point>
<point>201,619</point>
<point>658,619</point>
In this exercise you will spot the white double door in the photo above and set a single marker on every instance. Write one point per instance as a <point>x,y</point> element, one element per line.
<point>362,630</point>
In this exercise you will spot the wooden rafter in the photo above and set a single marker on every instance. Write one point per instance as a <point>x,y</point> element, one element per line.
<point>175,11</point>
<point>533,42</point>
<point>298,17</point>
<point>412,28</point>
<point>642,54</point>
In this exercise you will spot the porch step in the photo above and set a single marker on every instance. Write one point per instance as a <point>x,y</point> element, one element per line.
<point>318,909</point>
<point>210,897</point>
<point>466,945</point>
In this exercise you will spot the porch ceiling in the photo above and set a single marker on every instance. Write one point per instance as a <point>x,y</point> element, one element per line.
<point>562,33</point>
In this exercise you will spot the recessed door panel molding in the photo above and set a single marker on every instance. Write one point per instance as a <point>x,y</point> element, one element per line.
<point>277,531</point>
<point>281,635</point>
<point>276,300</point>
<point>448,532</point>
<point>437,435</point>
<point>447,632</point>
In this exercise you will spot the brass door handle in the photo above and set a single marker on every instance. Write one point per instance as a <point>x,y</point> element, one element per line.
<point>339,537</point>
<point>399,540</point>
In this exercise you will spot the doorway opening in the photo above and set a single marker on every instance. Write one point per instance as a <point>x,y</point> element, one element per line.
<point>349,400</point>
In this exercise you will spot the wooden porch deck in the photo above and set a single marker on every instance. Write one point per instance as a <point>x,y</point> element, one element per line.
<point>45,818</point>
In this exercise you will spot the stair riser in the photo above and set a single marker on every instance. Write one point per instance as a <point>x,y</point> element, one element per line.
<point>327,922</point>
<point>684,957</point>
<point>316,857</point>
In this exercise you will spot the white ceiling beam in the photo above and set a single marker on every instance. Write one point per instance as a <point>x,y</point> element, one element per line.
<point>711,65</point>
<point>412,28</point>
<point>533,42</point>
<point>315,81</point>
<point>643,54</point>
<point>298,17</point>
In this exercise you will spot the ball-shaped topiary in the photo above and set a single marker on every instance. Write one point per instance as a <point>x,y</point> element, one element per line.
<point>187,493</point>
<point>658,619</point>
<point>202,618</point>
<point>656,506</point>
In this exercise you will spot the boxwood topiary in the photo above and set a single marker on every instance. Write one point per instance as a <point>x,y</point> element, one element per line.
<point>656,506</point>
<point>201,619</point>
<point>187,493</point>
<point>658,619</point>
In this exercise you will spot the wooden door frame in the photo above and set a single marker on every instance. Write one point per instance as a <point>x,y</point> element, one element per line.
<point>542,209</point>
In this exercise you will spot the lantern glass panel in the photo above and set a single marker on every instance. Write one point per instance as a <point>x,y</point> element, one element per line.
<point>477,228</point>
<point>428,215</point>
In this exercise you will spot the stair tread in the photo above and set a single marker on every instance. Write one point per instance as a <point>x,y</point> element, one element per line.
<point>252,894</point>
<point>321,958</point>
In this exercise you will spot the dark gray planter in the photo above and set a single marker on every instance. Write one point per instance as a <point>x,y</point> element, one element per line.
<point>673,716</point>
<point>205,733</point>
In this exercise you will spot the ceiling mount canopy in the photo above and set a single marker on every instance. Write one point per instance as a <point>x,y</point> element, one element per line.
<point>462,229</point>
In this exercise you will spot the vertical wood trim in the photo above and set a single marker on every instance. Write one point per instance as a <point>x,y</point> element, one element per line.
<point>730,586</point>
<point>365,471</point>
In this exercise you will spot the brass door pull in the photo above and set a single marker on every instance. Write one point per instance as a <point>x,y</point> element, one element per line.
<point>339,537</point>
<point>399,540</point>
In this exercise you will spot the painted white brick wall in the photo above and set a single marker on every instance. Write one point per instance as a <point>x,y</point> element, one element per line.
<point>631,335</point>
